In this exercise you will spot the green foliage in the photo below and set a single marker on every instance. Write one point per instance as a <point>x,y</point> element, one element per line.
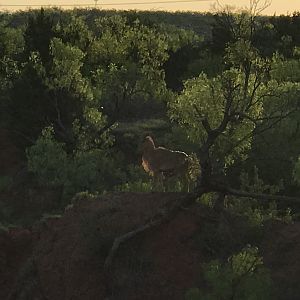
<point>269,35</point>
<point>286,28</point>
<point>48,159</point>
<point>205,98</point>
<point>38,34</point>
<point>11,41</point>
<point>208,63</point>
<point>277,150</point>
<point>82,196</point>
<point>194,170</point>
<point>66,65</point>
<point>52,89</point>
<point>74,30</point>
<point>184,48</point>
<point>208,199</point>
<point>136,186</point>
<point>252,209</point>
<point>136,181</point>
<point>242,277</point>
<point>127,64</point>
<point>277,147</point>
<point>243,220</point>
<point>92,170</point>
<point>286,70</point>
<point>225,234</point>
<point>11,47</point>
<point>256,185</point>
<point>225,112</point>
<point>179,38</point>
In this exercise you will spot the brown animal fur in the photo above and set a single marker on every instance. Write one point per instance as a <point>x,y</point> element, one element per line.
<point>160,162</point>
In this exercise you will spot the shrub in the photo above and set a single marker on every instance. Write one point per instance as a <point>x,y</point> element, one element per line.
<point>47,159</point>
<point>93,171</point>
<point>242,277</point>
<point>90,170</point>
<point>252,209</point>
<point>136,181</point>
<point>136,186</point>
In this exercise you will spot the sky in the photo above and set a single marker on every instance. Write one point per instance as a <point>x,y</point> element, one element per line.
<point>277,7</point>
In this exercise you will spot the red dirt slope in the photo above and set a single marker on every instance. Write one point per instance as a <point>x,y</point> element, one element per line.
<point>68,253</point>
<point>15,248</point>
<point>282,255</point>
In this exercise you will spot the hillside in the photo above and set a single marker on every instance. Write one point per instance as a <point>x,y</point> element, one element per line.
<point>198,22</point>
<point>63,257</point>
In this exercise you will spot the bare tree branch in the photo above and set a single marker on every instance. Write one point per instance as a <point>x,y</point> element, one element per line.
<point>262,197</point>
<point>162,216</point>
<point>255,9</point>
<point>203,120</point>
<point>123,238</point>
<point>258,131</point>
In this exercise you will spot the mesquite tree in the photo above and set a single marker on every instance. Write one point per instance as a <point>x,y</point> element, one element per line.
<point>224,113</point>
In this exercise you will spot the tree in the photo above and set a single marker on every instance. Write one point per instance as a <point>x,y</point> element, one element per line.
<point>53,87</point>
<point>286,28</point>
<point>224,113</point>
<point>127,65</point>
<point>11,47</point>
<point>59,95</point>
<point>38,35</point>
<point>93,170</point>
<point>184,47</point>
<point>231,24</point>
<point>278,148</point>
<point>74,30</point>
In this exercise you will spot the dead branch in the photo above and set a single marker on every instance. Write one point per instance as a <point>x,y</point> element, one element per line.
<point>163,216</point>
<point>257,6</point>
<point>262,197</point>
<point>123,238</point>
